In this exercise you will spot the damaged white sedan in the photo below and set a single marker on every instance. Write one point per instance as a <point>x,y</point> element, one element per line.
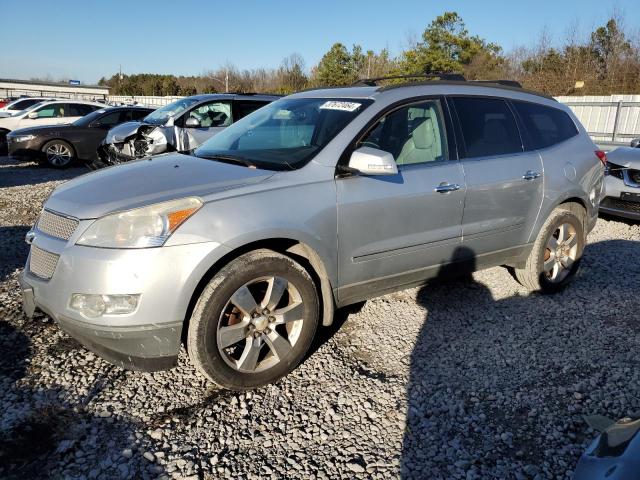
<point>180,126</point>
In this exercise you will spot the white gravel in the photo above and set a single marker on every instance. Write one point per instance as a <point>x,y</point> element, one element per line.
<point>465,379</point>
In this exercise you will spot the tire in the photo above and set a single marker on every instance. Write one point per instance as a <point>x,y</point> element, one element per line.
<point>218,321</point>
<point>58,154</point>
<point>565,225</point>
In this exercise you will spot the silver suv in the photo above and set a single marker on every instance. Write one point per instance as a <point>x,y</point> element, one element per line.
<point>313,202</point>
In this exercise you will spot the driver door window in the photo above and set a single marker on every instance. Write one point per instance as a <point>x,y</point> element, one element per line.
<point>210,115</point>
<point>413,134</point>
<point>51,111</point>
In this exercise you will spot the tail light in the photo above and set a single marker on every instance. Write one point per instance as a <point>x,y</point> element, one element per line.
<point>602,156</point>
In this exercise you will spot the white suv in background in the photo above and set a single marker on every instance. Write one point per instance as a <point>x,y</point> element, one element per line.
<point>20,104</point>
<point>46,113</point>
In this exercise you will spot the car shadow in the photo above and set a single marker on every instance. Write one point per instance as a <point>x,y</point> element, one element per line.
<point>45,435</point>
<point>16,173</point>
<point>495,392</point>
<point>13,249</point>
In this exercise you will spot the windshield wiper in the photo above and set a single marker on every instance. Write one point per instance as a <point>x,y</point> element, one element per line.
<point>232,160</point>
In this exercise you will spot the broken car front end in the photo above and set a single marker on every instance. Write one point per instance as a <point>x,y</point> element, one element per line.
<point>133,140</point>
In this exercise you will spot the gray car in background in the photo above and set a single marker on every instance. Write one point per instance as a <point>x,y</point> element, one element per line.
<point>180,126</point>
<point>318,200</point>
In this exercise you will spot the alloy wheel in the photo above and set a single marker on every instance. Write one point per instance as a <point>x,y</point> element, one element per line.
<point>58,154</point>
<point>260,324</point>
<point>560,253</point>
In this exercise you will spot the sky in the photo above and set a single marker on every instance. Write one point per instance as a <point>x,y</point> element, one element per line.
<point>88,39</point>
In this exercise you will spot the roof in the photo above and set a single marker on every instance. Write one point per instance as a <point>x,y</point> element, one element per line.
<point>234,95</point>
<point>378,91</point>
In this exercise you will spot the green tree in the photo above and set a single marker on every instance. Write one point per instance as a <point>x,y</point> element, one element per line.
<point>338,66</point>
<point>446,46</point>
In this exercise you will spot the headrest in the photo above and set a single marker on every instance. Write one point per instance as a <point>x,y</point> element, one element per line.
<point>423,135</point>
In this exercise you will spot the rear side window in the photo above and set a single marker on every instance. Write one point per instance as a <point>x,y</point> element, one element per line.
<point>78,110</point>
<point>138,114</point>
<point>488,126</point>
<point>546,126</point>
<point>244,108</point>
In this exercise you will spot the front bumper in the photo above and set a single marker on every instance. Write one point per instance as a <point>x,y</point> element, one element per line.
<point>147,339</point>
<point>615,203</point>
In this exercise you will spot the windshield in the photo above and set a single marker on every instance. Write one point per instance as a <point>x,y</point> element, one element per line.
<point>161,115</point>
<point>283,135</point>
<point>87,119</point>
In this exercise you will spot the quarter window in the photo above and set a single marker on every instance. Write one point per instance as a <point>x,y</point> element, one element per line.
<point>412,134</point>
<point>546,126</point>
<point>488,126</point>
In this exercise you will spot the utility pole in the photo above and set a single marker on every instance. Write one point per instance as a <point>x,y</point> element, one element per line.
<point>226,80</point>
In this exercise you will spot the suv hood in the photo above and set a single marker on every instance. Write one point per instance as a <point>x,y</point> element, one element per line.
<point>148,181</point>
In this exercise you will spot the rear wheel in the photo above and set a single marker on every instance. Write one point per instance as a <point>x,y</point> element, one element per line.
<point>556,253</point>
<point>58,154</point>
<point>254,321</point>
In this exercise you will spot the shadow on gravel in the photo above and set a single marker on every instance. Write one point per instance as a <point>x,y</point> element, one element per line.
<point>498,388</point>
<point>14,173</point>
<point>13,250</point>
<point>44,436</point>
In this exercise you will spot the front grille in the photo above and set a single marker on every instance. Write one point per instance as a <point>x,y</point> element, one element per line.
<point>57,225</point>
<point>618,204</point>
<point>42,263</point>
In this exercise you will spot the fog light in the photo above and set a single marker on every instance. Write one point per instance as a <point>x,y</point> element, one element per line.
<point>92,306</point>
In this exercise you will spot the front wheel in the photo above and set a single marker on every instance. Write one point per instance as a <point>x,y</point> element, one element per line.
<point>254,321</point>
<point>58,154</point>
<point>556,253</point>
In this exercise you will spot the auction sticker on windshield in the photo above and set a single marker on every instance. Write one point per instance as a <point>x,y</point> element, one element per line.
<point>336,105</point>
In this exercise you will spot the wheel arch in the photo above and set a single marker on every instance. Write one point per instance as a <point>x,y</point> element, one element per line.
<point>303,253</point>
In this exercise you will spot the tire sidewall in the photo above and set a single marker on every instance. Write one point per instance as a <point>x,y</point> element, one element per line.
<point>45,160</point>
<point>206,317</point>
<point>562,216</point>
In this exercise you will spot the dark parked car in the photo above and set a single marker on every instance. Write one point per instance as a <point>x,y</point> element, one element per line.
<point>60,145</point>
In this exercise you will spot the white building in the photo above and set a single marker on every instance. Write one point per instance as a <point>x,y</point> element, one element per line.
<point>17,88</point>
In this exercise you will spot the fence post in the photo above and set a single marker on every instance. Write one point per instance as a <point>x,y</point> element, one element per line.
<point>616,121</point>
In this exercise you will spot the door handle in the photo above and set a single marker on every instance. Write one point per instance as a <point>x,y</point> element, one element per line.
<point>446,187</point>
<point>531,175</point>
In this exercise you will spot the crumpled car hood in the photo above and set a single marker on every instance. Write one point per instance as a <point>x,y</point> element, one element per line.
<point>122,132</point>
<point>148,181</point>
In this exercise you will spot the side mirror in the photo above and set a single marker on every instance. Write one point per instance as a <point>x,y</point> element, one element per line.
<point>371,161</point>
<point>635,143</point>
<point>32,115</point>
<point>192,122</point>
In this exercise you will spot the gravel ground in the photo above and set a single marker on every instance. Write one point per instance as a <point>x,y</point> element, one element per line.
<point>464,379</point>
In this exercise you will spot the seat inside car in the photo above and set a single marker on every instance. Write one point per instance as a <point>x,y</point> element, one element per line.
<point>423,144</point>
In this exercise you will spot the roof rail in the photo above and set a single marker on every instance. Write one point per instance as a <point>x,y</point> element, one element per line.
<point>373,82</point>
<point>506,83</point>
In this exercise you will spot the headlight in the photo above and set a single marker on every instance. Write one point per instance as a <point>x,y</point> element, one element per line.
<point>142,227</point>
<point>21,138</point>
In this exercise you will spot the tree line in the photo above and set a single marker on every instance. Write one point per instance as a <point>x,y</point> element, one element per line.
<point>606,62</point>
